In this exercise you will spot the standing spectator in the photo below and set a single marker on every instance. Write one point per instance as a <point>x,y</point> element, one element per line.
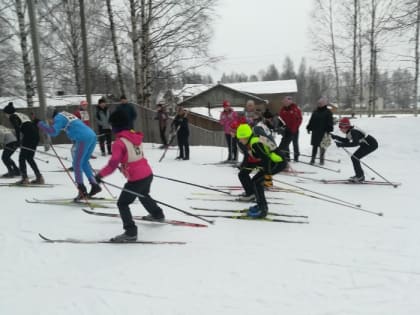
<point>104,127</point>
<point>129,110</point>
<point>320,123</point>
<point>355,137</point>
<point>180,123</point>
<point>250,113</point>
<point>84,140</point>
<point>227,117</point>
<point>28,136</point>
<point>9,143</point>
<point>83,113</point>
<point>162,118</point>
<point>291,115</point>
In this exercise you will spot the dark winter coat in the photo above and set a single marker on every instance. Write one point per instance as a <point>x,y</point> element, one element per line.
<point>321,122</point>
<point>181,121</point>
<point>130,111</point>
<point>102,118</point>
<point>356,137</point>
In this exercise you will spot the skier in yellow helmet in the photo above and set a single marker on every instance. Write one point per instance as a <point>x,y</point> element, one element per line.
<point>265,160</point>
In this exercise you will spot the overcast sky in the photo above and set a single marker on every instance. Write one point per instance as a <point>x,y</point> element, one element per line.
<point>252,34</point>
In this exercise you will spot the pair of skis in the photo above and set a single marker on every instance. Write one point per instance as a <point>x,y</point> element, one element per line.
<point>241,214</point>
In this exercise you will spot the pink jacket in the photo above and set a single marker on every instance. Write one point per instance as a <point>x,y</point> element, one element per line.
<point>139,168</point>
<point>227,118</point>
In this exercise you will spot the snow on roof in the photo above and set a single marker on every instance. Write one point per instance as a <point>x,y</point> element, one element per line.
<point>192,89</point>
<point>214,112</point>
<point>20,102</point>
<point>265,87</point>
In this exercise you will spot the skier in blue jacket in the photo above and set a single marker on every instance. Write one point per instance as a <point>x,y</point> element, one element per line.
<point>84,139</point>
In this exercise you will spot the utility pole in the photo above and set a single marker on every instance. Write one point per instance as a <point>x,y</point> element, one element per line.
<point>86,61</point>
<point>37,58</point>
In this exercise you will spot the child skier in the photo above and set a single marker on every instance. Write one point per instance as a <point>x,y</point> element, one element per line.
<point>355,137</point>
<point>9,143</point>
<point>127,152</point>
<point>28,136</point>
<point>266,161</point>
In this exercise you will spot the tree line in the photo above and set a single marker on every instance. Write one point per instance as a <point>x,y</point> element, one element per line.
<point>362,51</point>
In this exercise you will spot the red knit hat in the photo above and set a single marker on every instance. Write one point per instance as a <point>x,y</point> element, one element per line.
<point>226,103</point>
<point>344,122</point>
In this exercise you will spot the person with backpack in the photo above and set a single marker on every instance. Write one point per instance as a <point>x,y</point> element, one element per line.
<point>355,137</point>
<point>27,135</point>
<point>260,150</point>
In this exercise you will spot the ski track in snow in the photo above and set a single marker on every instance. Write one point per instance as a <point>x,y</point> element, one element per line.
<point>344,262</point>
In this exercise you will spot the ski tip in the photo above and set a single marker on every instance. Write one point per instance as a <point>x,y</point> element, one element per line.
<point>381,214</point>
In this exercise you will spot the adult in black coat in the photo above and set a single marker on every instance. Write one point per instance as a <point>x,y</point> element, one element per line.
<point>320,123</point>
<point>128,109</point>
<point>180,123</point>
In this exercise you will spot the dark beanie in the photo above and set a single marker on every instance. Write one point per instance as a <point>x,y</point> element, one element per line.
<point>119,120</point>
<point>9,109</point>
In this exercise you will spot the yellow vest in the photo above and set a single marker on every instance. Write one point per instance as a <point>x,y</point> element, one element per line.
<point>272,155</point>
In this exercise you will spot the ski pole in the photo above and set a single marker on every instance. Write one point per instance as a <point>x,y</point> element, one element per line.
<point>171,139</point>
<point>329,160</point>
<point>105,186</point>
<point>342,203</point>
<point>71,178</point>
<point>36,158</point>
<point>319,166</point>
<point>160,202</point>
<point>351,155</point>
<point>191,184</point>
<point>45,153</point>
<point>324,195</point>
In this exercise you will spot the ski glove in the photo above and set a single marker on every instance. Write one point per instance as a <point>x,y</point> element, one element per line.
<point>98,178</point>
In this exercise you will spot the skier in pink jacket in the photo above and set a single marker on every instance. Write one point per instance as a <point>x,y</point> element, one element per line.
<point>128,156</point>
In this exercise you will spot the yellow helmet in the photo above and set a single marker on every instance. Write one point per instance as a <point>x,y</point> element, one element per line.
<point>244,131</point>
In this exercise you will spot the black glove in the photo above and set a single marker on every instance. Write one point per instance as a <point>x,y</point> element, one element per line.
<point>98,178</point>
<point>309,132</point>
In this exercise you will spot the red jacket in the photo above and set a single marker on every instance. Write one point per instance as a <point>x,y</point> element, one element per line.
<point>292,117</point>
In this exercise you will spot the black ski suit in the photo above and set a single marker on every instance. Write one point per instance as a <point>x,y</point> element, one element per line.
<point>28,136</point>
<point>356,137</point>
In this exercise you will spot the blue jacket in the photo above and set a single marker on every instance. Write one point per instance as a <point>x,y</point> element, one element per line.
<point>75,129</point>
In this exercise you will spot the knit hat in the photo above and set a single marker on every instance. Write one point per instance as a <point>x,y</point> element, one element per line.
<point>119,121</point>
<point>344,122</point>
<point>244,131</point>
<point>226,104</point>
<point>9,109</point>
<point>267,114</point>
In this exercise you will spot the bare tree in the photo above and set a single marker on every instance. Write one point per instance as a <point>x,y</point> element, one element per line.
<point>324,37</point>
<point>23,36</point>
<point>115,46</point>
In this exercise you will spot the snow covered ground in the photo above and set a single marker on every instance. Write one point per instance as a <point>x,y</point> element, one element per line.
<point>344,262</point>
